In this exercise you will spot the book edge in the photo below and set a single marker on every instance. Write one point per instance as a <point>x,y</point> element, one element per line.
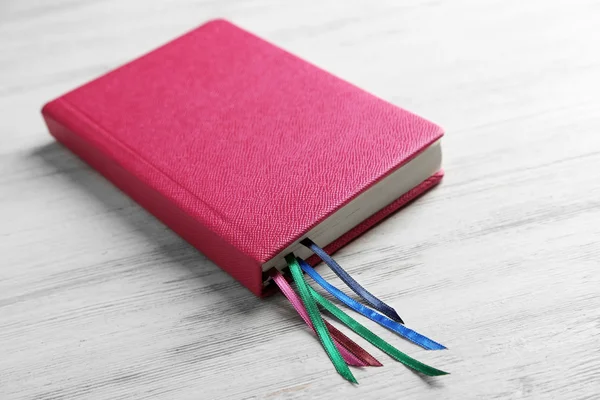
<point>367,224</point>
<point>68,126</point>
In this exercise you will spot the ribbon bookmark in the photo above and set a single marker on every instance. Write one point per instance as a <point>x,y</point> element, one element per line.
<point>317,321</point>
<point>372,338</point>
<point>352,284</point>
<point>352,353</point>
<point>394,326</point>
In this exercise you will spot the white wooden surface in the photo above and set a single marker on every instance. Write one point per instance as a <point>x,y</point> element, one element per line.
<point>501,263</point>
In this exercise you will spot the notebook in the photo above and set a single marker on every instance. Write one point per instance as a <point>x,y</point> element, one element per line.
<point>246,150</point>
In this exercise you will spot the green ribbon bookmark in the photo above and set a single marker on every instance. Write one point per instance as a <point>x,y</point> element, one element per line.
<point>318,323</point>
<point>369,336</point>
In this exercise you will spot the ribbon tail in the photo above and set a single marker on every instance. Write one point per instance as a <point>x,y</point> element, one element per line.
<point>352,353</point>
<point>351,283</point>
<point>317,321</point>
<point>364,357</point>
<point>394,326</point>
<point>372,338</point>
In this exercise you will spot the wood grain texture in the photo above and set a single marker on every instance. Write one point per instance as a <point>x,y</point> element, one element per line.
<point>98,300</point>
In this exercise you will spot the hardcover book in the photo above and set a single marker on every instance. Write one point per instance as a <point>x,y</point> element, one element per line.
<point>245,150</point>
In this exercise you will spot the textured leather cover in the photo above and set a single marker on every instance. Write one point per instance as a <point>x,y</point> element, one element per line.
<point>235,144</point>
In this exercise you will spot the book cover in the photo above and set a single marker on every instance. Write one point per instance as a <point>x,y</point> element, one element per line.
<point>239,146</point>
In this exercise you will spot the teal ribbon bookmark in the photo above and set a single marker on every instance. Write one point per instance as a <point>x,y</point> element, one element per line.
<point>317,321</point>
<point>353,354</point>
<point>372,338</point>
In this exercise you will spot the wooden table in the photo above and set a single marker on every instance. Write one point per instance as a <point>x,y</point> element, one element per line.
<point>98,300</point>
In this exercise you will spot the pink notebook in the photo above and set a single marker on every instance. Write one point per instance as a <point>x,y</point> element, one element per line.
<point>244,149</point>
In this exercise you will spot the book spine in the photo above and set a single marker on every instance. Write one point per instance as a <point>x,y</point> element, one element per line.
<point>157,193</point>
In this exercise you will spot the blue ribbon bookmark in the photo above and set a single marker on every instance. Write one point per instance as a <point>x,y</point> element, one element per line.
<point>394,326</point>
<point>352,284</point>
